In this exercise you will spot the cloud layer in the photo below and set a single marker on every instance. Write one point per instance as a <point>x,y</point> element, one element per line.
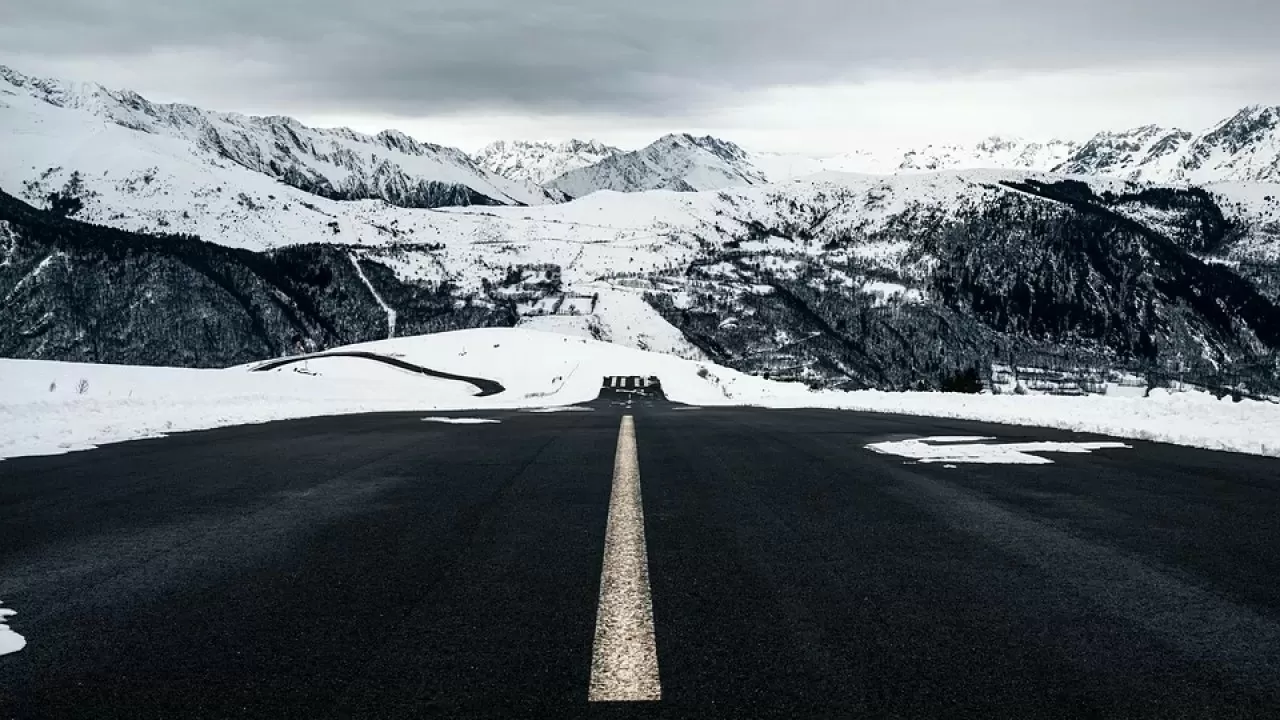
<point>646,59</point>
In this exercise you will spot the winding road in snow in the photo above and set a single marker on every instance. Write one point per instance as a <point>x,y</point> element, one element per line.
<point>485,387</point>
<point>685,562</point>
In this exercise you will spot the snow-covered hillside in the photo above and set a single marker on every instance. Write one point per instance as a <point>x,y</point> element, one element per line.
<point>1149,149</point>
<point>683,162</point>
<point>749,276</point>
<point>839,279</point>
<point>541,162</point>
<point>56,128</point>
<point>674,162</point>
<point>993,152</point>
<point>52,407</point>
<point>1242,148</point>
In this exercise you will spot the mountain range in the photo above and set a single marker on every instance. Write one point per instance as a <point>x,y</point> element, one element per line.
<point>1242,148</point>
<point>339,163</point>
<point>541,162</point>
<point>133,232</point>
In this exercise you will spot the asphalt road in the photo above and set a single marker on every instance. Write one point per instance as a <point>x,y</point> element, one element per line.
<point>382,566</point>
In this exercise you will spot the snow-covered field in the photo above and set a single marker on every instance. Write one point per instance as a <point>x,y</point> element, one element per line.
<point>52,407</point>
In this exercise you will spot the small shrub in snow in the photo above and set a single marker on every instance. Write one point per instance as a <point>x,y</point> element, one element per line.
<point>82,387</point>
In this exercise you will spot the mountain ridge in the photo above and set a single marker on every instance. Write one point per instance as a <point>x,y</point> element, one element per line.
<point>1244,147</point>
<point>541,162</point>
<point>338,163</point>
<point>134,244</point>
<point>677,161</point>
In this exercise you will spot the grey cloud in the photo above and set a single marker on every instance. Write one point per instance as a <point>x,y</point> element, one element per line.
<point>636,57</point>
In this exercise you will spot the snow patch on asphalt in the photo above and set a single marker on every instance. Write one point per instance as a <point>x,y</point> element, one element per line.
<point>981,450</point>
<point>562,408</point>
<point>10,641</point>
<point>461,421</point>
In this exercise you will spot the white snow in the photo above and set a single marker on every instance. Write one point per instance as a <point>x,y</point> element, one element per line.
<point>10,641</point>
<point>1195,419</point>
<point>672,162</point>
<point>461,421</point>
<point>43,411</point>
<point>948,449</point>
<point>993,152</point>
<point>1242,148</point>
<point>391,314</point>
<point>541,162</point>
<point>148,172</point>
<point>35,273</point>
<point>79,119</point>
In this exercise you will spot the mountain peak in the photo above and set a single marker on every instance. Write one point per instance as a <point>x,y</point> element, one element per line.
<point>724,149</point>
<point>334,163</point>
<point>677,161</point>
<point>540,162</point>
<point>590,146</point>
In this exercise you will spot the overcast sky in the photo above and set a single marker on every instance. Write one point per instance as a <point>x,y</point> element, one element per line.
<point>794,75</point>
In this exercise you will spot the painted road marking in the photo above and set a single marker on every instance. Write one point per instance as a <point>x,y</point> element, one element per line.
<point>624,658</point>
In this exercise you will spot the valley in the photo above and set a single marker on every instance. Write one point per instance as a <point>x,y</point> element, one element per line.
<point>148,234</point>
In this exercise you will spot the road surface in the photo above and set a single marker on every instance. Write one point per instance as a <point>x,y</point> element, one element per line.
<point>383,566</point>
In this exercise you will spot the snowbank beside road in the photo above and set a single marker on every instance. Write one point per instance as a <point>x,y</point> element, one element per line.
<point>1195,419</point>
<point>53,407</point>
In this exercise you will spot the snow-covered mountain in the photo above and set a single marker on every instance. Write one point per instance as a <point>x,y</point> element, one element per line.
<point>1147,150</point>
<point>1242,148</point>
<point>993,152</point>
<point>541,162</point>
<point>133,232</point>
<point>62,124</point>
<point>686,163</point>
<point>678,162</point>
<point>846,281</point>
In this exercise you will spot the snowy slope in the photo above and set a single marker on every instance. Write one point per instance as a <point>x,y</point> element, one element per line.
<point>611,244</point>
<point>674,162</point>
<point>52,408</point>
<point>541,162</point>
<point>1242,148</point>
<point>993,152</point>
<point>604,235</point>
<point>1145,152</point>
<point>336,163</point>
<point>681,162</point>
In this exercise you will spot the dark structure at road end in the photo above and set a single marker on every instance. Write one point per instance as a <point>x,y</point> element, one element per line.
<point>628,387</point>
